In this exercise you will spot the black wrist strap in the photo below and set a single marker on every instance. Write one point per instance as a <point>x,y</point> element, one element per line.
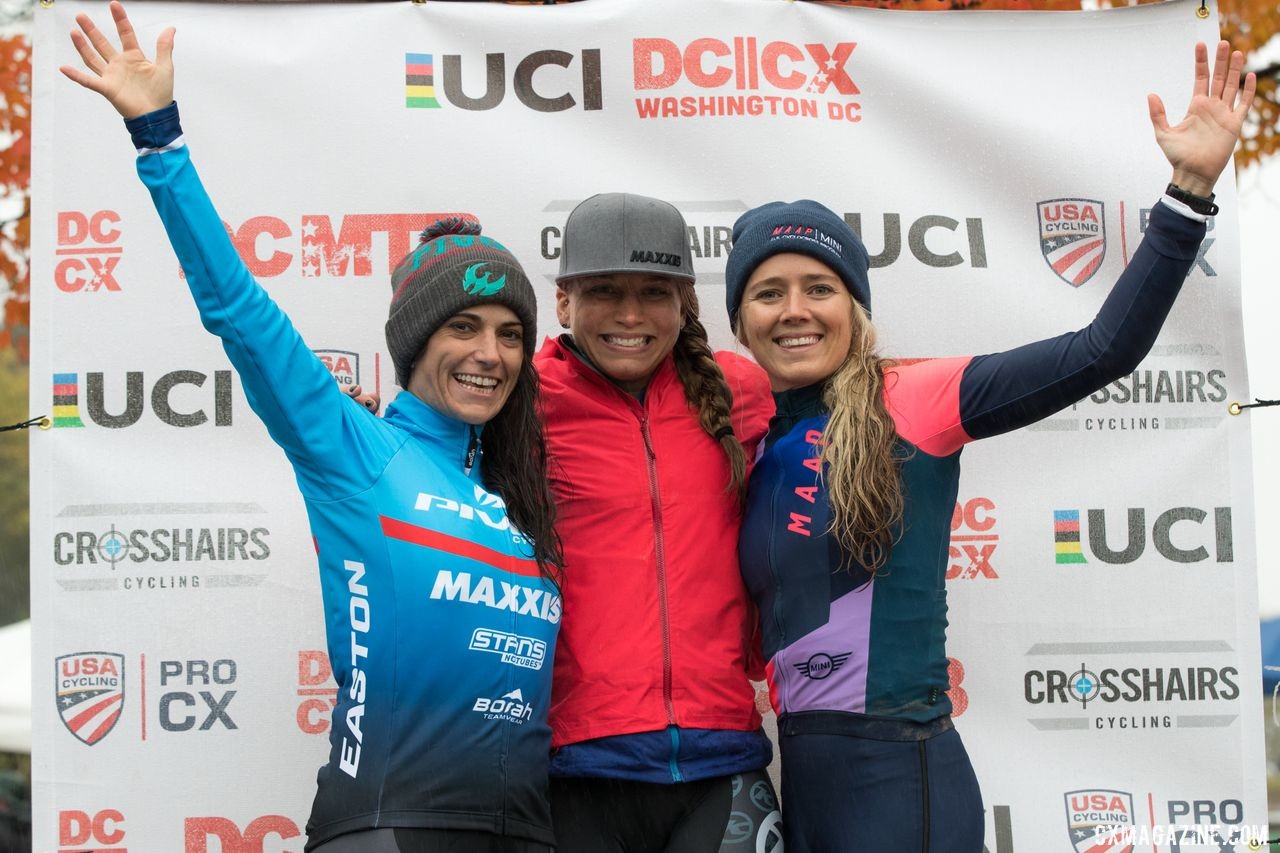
<point>1202,205</point>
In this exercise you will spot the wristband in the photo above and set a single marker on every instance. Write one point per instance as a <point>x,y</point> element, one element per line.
<point>1202,205</point>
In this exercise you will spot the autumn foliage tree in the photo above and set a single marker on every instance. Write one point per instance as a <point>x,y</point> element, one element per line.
<point>15,184</point>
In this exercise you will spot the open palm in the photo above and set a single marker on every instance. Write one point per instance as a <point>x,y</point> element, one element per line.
<point>1200,146</point>
<point>132,83</point>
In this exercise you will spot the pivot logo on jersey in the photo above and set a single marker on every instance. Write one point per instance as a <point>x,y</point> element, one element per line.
<point>973,540</point>
<point>198,830</point>
<point>316,694</point>
<point>89,691</point>
<point>742,77</point>
<point>343,364</point>
<point>821,665</point>
<point>1098,812</point>
<point>1073,238</point>
<point>556,91</point>
<point>100,831</point>
<point>170,399</point>
<point>510,708</point>
<point>488,510</point>
<point>89,251</point>
<point>478,284</point>
<point>1180,535</point>
<point>517,650</point>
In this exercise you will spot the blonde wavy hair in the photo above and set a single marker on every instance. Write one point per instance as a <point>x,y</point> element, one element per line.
<point>860,453</point>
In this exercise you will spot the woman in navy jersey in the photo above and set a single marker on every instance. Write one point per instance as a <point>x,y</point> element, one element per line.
<point>844,541</point>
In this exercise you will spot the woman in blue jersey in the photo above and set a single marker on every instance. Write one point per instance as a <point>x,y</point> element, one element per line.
<point>433,525</point>
<point>844,541</point>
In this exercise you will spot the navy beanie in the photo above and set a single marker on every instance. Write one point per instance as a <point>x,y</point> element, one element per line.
<point>804,227</point>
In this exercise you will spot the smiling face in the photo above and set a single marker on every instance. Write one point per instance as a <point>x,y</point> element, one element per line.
<point>624,323</point>
<point>797,320</point>
<point>470,364</point>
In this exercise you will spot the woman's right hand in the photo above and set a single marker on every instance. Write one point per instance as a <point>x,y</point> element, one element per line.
<point>133,84</point>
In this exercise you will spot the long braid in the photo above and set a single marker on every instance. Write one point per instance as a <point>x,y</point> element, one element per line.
<point>706,389</point>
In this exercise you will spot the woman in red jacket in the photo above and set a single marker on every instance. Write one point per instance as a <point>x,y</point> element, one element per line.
<point>654,724</point>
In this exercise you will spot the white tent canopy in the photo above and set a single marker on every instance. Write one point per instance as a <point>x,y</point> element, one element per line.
<point>15,687</point>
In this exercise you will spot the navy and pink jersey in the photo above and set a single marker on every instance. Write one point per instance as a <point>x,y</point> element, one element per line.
<point>839,639</point>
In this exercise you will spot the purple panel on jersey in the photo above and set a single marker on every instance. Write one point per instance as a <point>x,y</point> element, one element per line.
<point>827,668</point>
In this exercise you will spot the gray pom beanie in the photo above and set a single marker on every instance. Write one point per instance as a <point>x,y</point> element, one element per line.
<point>805,227</point>
<point>452,268</point>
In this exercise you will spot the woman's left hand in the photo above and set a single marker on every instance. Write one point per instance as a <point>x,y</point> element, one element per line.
<point>132,83</point>
<point>1200,146</point>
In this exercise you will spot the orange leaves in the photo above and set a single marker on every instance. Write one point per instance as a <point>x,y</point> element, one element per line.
<point>15,185</point>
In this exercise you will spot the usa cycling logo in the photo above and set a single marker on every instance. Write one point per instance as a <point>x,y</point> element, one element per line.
<point>343,364</point>
<point>1073,238</point>
<point>89,693</point>
<point>1097,818</point>
<point>821,665</point>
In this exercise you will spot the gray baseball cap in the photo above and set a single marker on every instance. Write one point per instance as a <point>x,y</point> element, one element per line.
<point>621,232</point>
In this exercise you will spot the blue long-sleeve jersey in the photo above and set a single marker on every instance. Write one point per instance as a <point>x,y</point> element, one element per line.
<point>440,628</point>
<point>837,638</point>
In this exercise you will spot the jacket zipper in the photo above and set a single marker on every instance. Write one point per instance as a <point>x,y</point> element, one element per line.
<point>651,459</point>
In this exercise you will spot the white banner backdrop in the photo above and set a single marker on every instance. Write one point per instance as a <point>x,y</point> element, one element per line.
<point>1102,582</point>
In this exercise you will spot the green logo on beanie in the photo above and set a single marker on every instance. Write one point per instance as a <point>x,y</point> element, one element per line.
<point>481,285</point>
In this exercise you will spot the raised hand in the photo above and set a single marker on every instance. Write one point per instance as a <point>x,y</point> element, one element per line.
<point>133,84</point>
<point>1200,146</point>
